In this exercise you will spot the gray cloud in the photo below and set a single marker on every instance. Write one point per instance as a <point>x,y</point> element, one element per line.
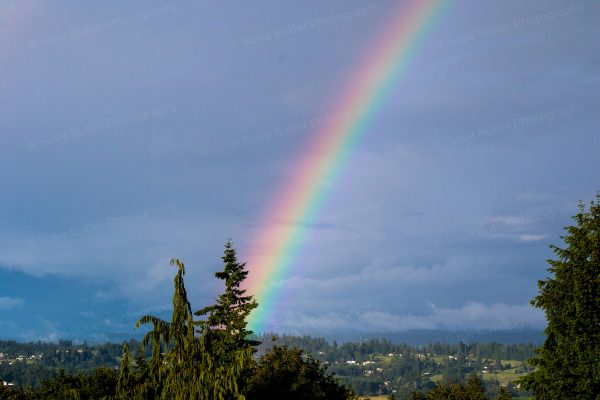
<point>471,316</point>
<point>115,109</point>
<point>8,303</point>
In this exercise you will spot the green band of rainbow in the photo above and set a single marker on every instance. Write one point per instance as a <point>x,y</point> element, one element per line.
<point>299,200</point>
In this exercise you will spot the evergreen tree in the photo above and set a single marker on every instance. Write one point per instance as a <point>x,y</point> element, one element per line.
<point>123,384</point>
<point>568,363</point>
<point>182,364</point>
<point>226,326</point>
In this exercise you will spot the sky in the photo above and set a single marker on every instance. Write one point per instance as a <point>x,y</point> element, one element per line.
<point>131,133</point>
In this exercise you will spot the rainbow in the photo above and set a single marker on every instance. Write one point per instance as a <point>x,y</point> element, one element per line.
<point>274,253</point>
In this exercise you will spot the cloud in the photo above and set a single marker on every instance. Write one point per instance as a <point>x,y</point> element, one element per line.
<point>380,274</point>
<point>471,316</point>
<point>45,330</point>
<point>8,303</point>
<point>533,237</point>
<point>106,295</point>
<point>508,220</point>
<point>153,276</point>
<point>535,197</point>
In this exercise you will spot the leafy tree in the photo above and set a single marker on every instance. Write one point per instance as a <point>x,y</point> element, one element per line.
<point>568,363</point>
<point>99,385</point>
<point>288,374</point>
<point>471,390</point>
<point>474,388</point>
<point>503,395</point>
<point>62,387</point>
<point>12,393</point>
<point>417,396</point>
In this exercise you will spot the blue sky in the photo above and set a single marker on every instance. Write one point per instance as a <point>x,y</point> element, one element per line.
<point>133,133</point>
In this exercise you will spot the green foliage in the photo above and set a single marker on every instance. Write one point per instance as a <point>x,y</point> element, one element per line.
<point>289,374</point>
<point>12,393</point>
<point>568,363</point>
<point>183,365</point>
<point>412,368</point>
<point>404,373</point>
<point>503,395</point>
<point>226,327</point>
<point>44,360</point>
<point>98,385</point>
<point>124,383</point>
<point>471,390</point>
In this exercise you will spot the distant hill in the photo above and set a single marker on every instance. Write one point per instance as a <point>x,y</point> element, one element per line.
<point>422,337</point>
<point>411,337</point>
<point>369,367</point>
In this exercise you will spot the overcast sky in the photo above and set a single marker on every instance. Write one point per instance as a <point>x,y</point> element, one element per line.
<point>133,132</point>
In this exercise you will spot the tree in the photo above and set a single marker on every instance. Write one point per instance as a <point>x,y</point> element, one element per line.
<point>474,388</point>
<point>285,373</point>
<point>98,385</point>
<point>12,393</point>
<point>61,387</point>
<point>123,384</point>
<point>503,395</point>
<point>471,390</point>
<point>568,363</point>
<point>417,396</point>
<point>182,364</point>
<point>226,326</point>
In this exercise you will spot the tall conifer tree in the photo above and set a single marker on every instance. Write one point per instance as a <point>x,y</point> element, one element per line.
<point>226,322</point>
<point>568,363</point>
<point>123,384</point>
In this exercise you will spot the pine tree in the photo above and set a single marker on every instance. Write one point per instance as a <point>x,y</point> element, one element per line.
<point>226,325</point>
<point>182,365</point>
<point>568,363</point>
<point>123,384</point>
